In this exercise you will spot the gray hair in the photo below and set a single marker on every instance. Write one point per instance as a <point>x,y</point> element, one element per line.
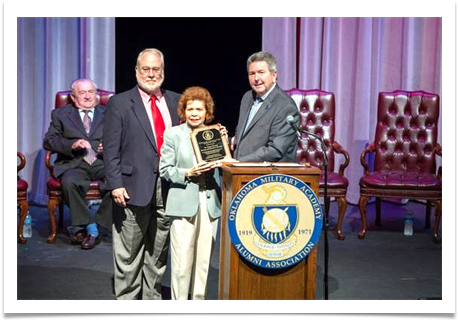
<point>263,56</point>
<point>75,82</point>
<point>154,51</point>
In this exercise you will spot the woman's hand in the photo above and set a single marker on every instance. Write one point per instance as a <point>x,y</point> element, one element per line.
<point>198,169</point>
<point>223,131</point>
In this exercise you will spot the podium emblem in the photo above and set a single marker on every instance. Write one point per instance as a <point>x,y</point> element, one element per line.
<point>275,221</point>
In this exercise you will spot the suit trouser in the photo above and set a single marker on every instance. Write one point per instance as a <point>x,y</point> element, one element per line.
<point>75,183</point>
<point>192,242</point>
<point>140,246</point>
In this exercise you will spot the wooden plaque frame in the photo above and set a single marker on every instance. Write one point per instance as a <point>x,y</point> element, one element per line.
<point>209,145</point>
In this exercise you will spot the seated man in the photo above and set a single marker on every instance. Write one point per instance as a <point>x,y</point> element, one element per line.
<point>75,134</point>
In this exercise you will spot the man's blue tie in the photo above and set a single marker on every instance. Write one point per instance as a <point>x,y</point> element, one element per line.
<point>253,111</point>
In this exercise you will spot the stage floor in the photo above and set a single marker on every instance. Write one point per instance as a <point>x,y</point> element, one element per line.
<point>385,266</point>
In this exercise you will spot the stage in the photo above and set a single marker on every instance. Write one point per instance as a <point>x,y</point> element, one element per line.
<point>386,265</point>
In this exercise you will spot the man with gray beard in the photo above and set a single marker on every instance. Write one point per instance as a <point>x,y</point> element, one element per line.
<point>133,134</point>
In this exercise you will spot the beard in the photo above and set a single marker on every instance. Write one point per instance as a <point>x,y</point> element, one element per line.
<point>149,88</point>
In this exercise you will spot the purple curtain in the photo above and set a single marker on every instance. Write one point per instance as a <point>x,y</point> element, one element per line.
<point>51,53</point>
<point>356,58</point>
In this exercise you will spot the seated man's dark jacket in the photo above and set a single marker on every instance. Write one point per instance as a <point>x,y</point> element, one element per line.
<point>66,127</point>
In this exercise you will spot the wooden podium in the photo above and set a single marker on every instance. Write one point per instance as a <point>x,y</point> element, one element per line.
<point>241,280</point>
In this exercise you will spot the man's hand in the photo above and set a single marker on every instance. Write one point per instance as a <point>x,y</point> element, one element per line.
<point>120,196</point>
<point>81,144</point>
<point>232,144</point>
<point>220,162</point>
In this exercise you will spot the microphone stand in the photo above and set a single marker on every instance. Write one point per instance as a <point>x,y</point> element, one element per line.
<point>326,205</point>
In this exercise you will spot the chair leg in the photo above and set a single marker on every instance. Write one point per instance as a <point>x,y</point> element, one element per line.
<point>24,207</point>
<point>52,203</point>
<point>61,214</point>
<point>362,207</point>
<point>437,238</point>
<point>428,207</point>
<point>342,204</point>
<point>378,212</point>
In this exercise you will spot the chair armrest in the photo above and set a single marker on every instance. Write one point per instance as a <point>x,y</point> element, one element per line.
<point>22,164</point>
<point>437,150</point>
<point>339,149</point>
<point>48,163</point>
<point>370,148</point>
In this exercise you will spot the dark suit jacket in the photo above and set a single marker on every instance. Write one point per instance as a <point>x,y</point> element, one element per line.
<point>130,152</point>
<point>269,137</point>
<point>66,127</point>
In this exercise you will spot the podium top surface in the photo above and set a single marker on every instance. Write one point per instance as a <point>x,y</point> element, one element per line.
<point>288,168</point>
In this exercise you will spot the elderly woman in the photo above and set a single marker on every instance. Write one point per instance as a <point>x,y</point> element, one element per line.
<point>194,199</point>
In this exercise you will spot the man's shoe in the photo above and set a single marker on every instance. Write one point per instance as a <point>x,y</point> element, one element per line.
<point>90,242</point>
<point>78,238</point>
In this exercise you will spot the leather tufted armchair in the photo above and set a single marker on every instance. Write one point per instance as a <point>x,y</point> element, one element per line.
<point>405,147</point>
<point>22,199</point>
<point>317,115</point>
<point>53,184</point>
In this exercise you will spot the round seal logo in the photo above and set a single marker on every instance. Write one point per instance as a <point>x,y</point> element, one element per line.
<point>275,221</point>
<point>208,135</point>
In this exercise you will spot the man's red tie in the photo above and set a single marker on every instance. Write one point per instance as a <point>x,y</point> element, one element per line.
<point>158,123</point>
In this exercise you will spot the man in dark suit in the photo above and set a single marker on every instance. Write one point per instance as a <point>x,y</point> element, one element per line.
<point>75,134</point>
<point>262,132</point>
<point>134,124</point>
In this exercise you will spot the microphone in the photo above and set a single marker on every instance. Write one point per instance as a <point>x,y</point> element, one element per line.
<point>291,121</point>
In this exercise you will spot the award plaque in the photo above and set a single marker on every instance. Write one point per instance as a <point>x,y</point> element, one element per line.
<point>209,145</point>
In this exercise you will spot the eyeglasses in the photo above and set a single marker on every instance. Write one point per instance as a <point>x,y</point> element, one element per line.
<point>83,92</point>
<point>146,70</point>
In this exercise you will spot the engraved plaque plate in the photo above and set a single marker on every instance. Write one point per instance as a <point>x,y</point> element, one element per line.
<point>209,145</point>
